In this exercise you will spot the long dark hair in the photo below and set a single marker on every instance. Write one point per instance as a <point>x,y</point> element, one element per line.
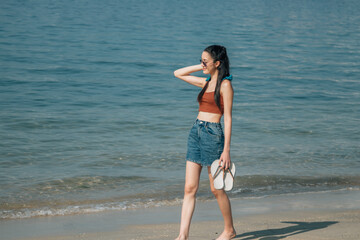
<point>218,53</point>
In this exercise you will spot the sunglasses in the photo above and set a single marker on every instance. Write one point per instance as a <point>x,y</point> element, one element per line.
<point>202,62</point>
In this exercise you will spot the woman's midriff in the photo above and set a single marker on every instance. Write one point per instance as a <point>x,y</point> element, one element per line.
<point>209,117</point>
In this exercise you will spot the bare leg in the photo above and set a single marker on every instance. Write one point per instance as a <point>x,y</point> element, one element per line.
<point>192,178</point>
<point>225,208</point>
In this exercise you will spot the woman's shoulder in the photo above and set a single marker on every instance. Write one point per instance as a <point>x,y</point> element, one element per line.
<point>226,87</point>
<point>226,84</point>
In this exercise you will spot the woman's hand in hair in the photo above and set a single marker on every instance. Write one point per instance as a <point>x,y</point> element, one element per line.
<point>184,74</point>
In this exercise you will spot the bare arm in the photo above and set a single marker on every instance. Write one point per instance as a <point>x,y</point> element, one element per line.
<point>184,74</point>
<point>228,95</point>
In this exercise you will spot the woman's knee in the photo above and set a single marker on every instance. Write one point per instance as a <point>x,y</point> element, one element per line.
<point>190,189</point>
<point>216,192</point>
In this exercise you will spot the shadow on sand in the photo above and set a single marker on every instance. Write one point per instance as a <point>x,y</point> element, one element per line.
<point>281,233</point>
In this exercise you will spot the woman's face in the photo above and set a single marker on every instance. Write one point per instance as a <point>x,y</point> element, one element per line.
<point>208,64</point>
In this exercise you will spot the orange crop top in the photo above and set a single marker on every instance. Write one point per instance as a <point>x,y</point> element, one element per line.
<point>208,104</point>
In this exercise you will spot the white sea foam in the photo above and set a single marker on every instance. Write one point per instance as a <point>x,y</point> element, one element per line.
<point>83,209</point>
<point>96,208</point>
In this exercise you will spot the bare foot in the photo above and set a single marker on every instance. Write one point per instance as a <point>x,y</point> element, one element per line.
<point>227,235</point>
<point>180,237</point>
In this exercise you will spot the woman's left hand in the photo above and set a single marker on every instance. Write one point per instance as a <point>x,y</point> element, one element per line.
<point>225,159</point>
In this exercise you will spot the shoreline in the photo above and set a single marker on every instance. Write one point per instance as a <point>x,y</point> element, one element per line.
<point>321,215</point>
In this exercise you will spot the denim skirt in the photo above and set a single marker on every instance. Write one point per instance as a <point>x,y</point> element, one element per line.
<point>205,142</point>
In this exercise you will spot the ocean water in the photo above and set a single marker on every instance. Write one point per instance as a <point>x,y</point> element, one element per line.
<point>92,118</point>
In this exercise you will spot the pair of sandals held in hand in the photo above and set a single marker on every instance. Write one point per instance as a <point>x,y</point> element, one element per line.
<point>223,178</point>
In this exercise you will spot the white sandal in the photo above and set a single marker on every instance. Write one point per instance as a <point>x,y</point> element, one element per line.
<point>229,177</point>
<point>218,175</point>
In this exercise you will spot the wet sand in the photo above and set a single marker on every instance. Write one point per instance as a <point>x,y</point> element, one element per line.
<point>326,215</point>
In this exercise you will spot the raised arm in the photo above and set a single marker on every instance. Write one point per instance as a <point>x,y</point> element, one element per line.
<point>184,74</point>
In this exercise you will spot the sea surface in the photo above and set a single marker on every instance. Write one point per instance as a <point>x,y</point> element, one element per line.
<point>92,118</point>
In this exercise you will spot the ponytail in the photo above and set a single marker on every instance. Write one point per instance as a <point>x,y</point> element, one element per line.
<point>218,53</point>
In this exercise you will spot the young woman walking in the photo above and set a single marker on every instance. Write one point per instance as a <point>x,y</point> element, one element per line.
<point>207,141</point>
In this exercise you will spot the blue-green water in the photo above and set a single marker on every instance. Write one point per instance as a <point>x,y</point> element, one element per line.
<point>92,118</point>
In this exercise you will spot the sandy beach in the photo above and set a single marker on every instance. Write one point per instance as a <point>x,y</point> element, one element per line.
<point>323,215</point>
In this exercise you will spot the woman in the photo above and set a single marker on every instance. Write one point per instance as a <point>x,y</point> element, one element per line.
<point>206,141</point>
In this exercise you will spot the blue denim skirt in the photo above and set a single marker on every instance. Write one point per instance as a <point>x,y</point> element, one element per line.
<point>205,142</point>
